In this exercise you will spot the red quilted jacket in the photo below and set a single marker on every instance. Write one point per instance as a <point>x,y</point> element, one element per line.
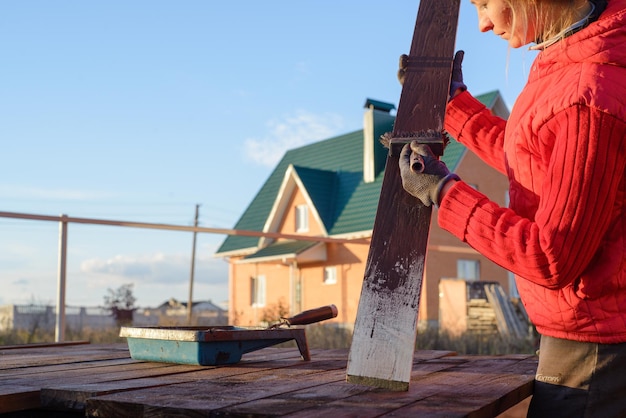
<point>564,152</point>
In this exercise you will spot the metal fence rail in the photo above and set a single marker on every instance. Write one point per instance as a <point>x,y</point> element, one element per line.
<point>64,220</point>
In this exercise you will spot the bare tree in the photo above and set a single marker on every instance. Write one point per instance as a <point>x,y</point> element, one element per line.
<point>121,303</point>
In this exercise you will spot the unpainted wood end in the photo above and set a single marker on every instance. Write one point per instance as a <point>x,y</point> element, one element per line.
<point>392,385</point>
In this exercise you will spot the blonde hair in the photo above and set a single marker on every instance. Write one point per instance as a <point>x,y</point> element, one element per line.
<point>551,19</point>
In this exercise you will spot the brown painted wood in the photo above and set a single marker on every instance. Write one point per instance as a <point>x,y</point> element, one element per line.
<point>32,356</point>
<point>68,387</point>
<point>18,398</point>
<point>218,396</point>
<point>268,382</point>
<point>385,329</point>
<point>41,345</point>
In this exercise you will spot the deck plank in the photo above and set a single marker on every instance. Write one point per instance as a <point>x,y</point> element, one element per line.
<point>105,381</point>
<point>18,398</point>
<point>73,395</point>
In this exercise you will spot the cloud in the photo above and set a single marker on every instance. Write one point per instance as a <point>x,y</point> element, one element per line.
<point>291,132</point>
<point>157,268</point>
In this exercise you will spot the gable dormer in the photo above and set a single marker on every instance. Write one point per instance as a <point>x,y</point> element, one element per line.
<point>303,192</point>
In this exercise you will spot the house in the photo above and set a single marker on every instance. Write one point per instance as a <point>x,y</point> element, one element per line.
<point>174,312</point>
<point>331,189</point>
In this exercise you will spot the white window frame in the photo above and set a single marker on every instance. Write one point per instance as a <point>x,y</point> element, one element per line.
<point>258,291</point>
<point>330,275</point>
<point>302,218</point>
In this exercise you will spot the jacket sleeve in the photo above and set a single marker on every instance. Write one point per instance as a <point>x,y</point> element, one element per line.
<point>472,124</point>
<point>581,196</point>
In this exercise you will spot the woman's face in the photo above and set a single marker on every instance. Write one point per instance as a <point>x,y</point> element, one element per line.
<point>497,16</point>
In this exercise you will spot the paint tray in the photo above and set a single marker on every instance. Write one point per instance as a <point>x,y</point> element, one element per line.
<point>206,346</point>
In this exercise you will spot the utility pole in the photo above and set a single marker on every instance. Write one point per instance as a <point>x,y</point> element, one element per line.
<point>193,268</point>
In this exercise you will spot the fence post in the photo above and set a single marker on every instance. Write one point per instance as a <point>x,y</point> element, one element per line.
<point>193,268</point>
<point>59,333</point>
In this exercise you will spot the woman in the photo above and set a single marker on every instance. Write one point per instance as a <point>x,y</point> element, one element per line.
<point>563,149</point>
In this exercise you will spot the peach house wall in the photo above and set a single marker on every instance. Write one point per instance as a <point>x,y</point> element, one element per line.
<point>277,284</point>
<point>350,263</point>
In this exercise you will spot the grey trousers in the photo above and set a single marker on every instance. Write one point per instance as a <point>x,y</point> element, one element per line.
<point>576,379</point>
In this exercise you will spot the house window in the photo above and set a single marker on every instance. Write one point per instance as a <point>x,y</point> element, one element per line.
<point>302,218</point>
<point>330,275</point>
<point>468,269</point>
<point>257,291</point>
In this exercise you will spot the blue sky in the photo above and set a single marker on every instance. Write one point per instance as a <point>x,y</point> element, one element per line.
<point>139,110</point>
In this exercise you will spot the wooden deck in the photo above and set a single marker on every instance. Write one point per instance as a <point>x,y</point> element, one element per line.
<point>103,381</point>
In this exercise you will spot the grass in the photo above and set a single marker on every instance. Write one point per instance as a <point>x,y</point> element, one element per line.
<point>16,337</point>
<point>318,337</point>
<point>324,336</point>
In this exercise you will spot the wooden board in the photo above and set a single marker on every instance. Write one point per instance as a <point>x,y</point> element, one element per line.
<point>385,329</point>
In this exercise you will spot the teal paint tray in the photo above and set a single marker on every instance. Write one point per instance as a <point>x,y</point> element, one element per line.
<point>206,346</point>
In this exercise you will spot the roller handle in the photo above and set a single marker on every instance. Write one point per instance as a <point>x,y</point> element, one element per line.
<point>313,315</point>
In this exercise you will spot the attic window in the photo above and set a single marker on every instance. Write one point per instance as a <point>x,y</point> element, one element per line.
<point>302,218</point>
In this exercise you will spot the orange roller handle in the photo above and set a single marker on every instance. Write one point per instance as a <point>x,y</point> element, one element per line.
<point>313,315</point>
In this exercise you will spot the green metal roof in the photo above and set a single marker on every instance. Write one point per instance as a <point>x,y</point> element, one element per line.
<point>332,174</point>
<point>320,185</point>
<point>489,99</point>
<point>340,155</point>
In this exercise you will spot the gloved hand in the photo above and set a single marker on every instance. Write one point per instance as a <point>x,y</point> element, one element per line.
<point>427,183</point>
<point>456,82</point>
